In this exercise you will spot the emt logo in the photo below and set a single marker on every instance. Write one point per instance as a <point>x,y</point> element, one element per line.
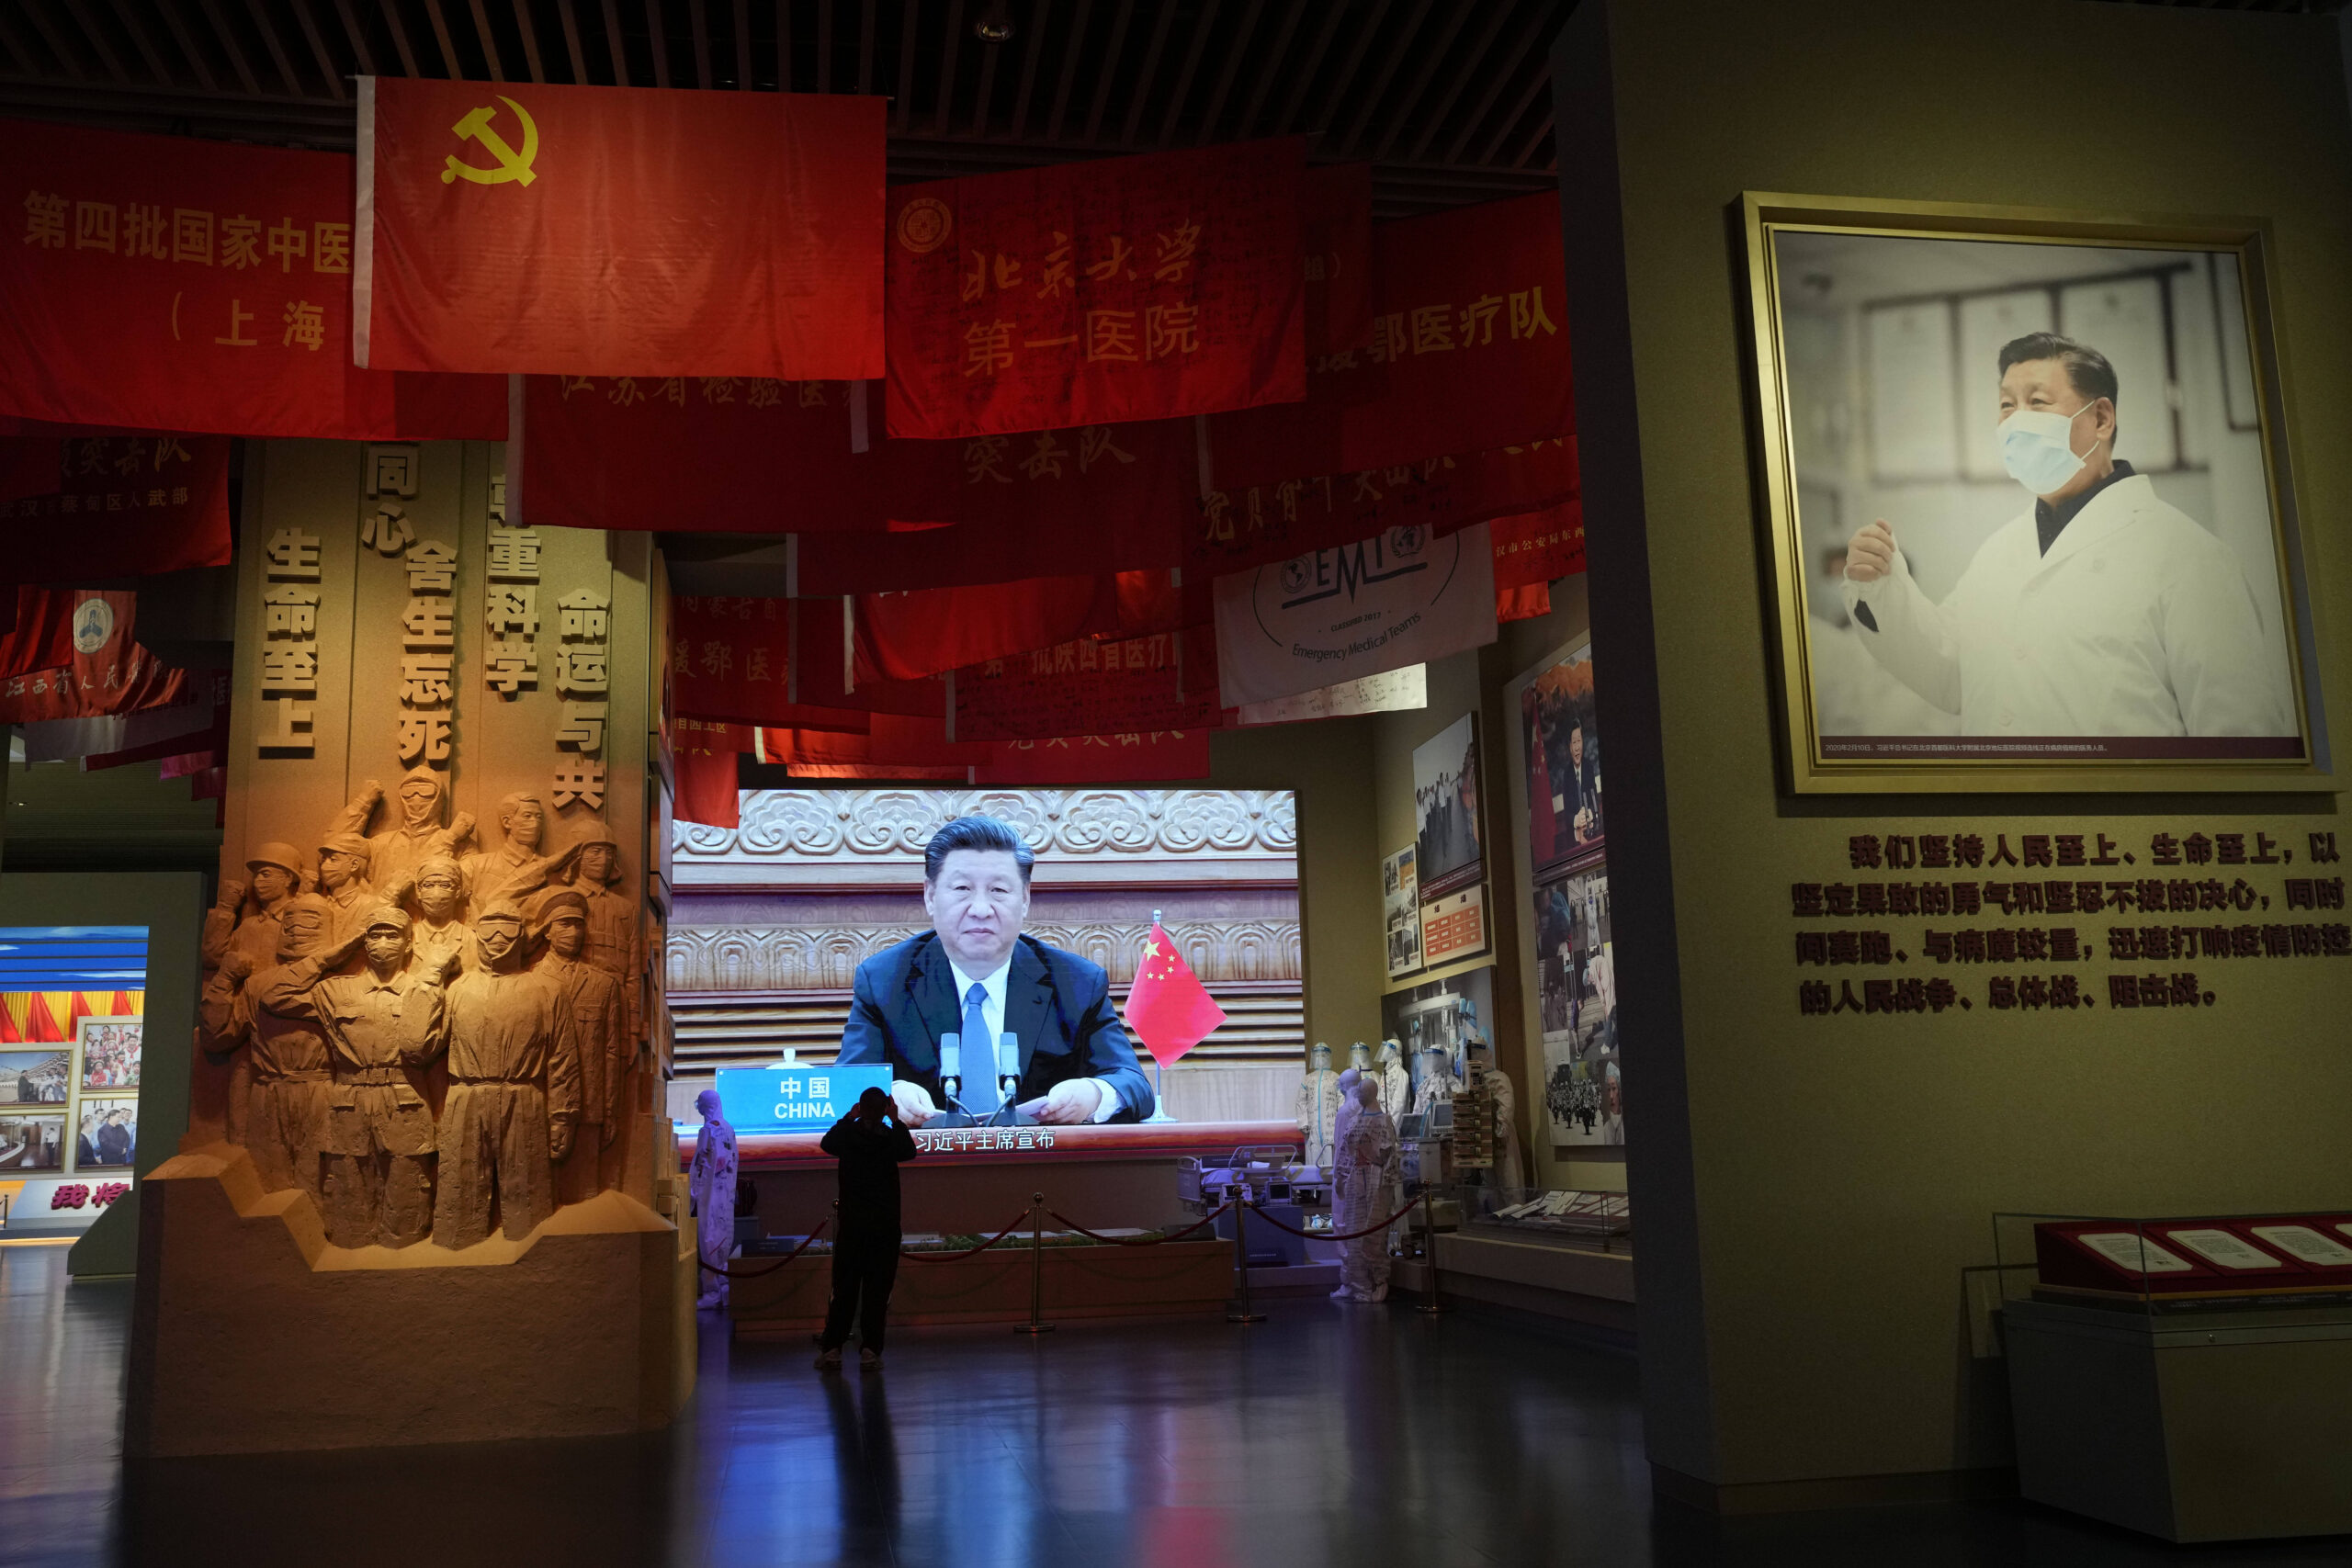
<point>511,165</point>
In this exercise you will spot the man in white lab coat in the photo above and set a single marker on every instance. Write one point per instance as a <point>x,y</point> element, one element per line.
<point>2100,610</point>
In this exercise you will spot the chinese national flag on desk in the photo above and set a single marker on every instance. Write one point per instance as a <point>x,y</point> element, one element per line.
<point>618,231</point>
<point>1168,1008</point>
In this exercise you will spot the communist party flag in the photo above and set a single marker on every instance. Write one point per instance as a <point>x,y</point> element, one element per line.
<point>618,231</point>
<point>164,283</point>
<point>1091,293</point>
<point>1168,1008</point>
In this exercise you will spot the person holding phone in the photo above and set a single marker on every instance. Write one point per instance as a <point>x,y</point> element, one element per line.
<point>869,1145</point>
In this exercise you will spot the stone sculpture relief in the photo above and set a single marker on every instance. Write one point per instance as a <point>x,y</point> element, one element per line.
<point>426,1036</point>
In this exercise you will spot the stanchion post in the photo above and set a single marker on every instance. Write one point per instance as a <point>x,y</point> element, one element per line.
<point>1429,1304</point>
<point>1241,1259</point>
<point>1036,1323</point>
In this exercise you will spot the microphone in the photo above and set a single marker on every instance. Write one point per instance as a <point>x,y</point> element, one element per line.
<point>1008,1066</point>
<point>951,1066</point>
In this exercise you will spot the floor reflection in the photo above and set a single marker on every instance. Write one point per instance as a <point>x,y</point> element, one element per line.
<point>1329,1436</point>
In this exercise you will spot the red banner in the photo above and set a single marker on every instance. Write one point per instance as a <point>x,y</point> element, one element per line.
<point>107,671</point>
<point>1167,681</point>
<point>1097,293</point>
<point>730,658</point>
<point>705,756</point>
<point>1127,758</point>
<point>1335,233</point>
<point>619,230</point>
<point>1469,351</point>
<point>1242,528</point>
<point>1538,547</point>
<point>41,636</point>
<point>120,506</point>
<point>775,456</point>
<point>162,283</point>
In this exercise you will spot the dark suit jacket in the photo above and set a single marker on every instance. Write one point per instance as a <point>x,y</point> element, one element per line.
<point>1056,1005</point>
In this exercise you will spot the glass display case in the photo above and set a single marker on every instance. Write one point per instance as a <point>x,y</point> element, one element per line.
<point>2180,1263</point>
<point>1589,1216</point>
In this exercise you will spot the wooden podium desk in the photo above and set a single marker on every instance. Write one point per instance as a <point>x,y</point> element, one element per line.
<point>975,1179</point>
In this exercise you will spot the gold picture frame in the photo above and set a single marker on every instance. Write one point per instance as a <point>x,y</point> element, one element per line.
<point>1876,393</point>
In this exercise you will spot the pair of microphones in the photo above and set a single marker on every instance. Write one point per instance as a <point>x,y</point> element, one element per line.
<point>1007,1064</point>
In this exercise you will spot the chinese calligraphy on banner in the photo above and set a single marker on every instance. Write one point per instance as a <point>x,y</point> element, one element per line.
<point>162,283</point>
<point>1538,547</point>
<point>1128,756</point>
<point>1469,350</point>
<point>619,230</point>
<point>1163,681</point>
<point>1092,293</point>
<point>120,506</point>
<point>2178,918</point>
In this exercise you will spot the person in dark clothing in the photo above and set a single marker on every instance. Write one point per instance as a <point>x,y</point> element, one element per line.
<point>869,1144</point>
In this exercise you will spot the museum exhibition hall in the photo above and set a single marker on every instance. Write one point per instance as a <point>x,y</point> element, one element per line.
<point>1175,781</point>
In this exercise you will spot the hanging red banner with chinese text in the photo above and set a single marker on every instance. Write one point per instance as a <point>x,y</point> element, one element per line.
<point>705,754</point>
<point>1130,756</point>
<point>1096,293</point>
<point>1166,681</point>
<point>751,456</point>
<point>164,283</point>
<point>906,636</point>
<point>119,506</point>
<point>618,231</point>
<point>1538,547</point>
<point>1469,351</point>
<point>1335,233</point>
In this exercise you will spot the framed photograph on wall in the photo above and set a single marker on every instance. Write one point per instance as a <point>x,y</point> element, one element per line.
<point>31,1143</point>
<point>36,1075</point>
<point>1400,898</point>
<point>106,1135</point>
<point>1576,968</point>
<point>110,1049</point>
<point>1445,808</point>
<point>2031,510</point>
<point>1560,760</point>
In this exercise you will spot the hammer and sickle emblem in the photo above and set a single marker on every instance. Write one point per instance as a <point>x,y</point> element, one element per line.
<point>511,165</point>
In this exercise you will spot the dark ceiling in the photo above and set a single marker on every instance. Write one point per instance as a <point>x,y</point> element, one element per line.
<point>1449,100</point>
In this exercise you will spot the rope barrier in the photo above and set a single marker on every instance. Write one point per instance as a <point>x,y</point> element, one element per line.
<point>1140,1241</point>
<point>914,1256</point>
<point>1327,1235</point>
<point>763,1273</point>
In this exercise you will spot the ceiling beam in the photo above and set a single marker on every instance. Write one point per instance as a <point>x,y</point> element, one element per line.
<point>229,42</point>
<point>400,40</point>
<point>1455,89</point>
<point>615,45</point>
<point>866,47</point>
<point>944,101</point>
<point>441,36</point>
<point>186,40</point>
<point>127,15</point>
<point>1073,41</point>
<point>698,23</point>
<point>742,9</point>
<point>571,47</point>
<point>1371,100</point>
<point>328,70</point>
<point>1224,88</point>
<point>905,105</point>
<point>1497,80</point>
<point>531,61</point>
<point>990,53</point>
<point>659,37</point>
<point>1037,20</point>
<point>1144,79</point>
<point>1536,83</point>
<point>488,44</point>
<point>1365,35</point>
<point>278,55</point>
<point>1107,69</point>
<point>1184,76</point>
<point>98,41</point>
<point>1267,71</point>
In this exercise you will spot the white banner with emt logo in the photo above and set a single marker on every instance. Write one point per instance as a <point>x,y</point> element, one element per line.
<point>1395,599</point>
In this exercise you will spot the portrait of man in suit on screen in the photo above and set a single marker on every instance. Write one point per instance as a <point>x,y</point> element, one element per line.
<point>975,976</point>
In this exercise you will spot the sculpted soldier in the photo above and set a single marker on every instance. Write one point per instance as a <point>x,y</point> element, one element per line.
<point>514,870</point>
<point>245,918</point>
<point>394,852</point>
<point>616,944</point>
<point>514,1089</point>
<point>343,882</point>
<point>594,999</point>
<point>381,1024</point>
<point>439,938</point>
<point>284,1124</point>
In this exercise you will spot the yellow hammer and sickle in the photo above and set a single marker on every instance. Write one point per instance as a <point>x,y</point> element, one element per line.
<point>511,165</point>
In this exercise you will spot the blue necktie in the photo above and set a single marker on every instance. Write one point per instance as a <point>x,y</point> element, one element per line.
<point>979,1055</point>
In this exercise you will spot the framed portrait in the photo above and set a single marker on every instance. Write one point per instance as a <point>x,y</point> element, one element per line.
<point>1400,899</point>
<point>109,1052</point>
<point>106,1134</point>
<point>1450,854</point>
<point>1575,988</point>
<point>2028,506</point>
<point>31,1143</point>
<point>36,1075</point>
<point>1434,1023</point>
<point>1559,758</point>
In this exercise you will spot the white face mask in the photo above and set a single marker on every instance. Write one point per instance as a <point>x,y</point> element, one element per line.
<point>2039,448</point>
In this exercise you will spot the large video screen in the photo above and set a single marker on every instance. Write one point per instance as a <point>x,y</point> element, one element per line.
<point>990,993</point>
<point>73,1005</point>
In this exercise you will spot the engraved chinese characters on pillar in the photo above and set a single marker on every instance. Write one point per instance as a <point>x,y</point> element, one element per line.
<point>428,642</point>
<point>289,657</point>
<point>583,680</point>
<point>512,660</point>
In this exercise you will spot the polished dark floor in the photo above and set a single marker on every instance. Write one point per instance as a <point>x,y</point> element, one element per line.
<point>1328,1436</point>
